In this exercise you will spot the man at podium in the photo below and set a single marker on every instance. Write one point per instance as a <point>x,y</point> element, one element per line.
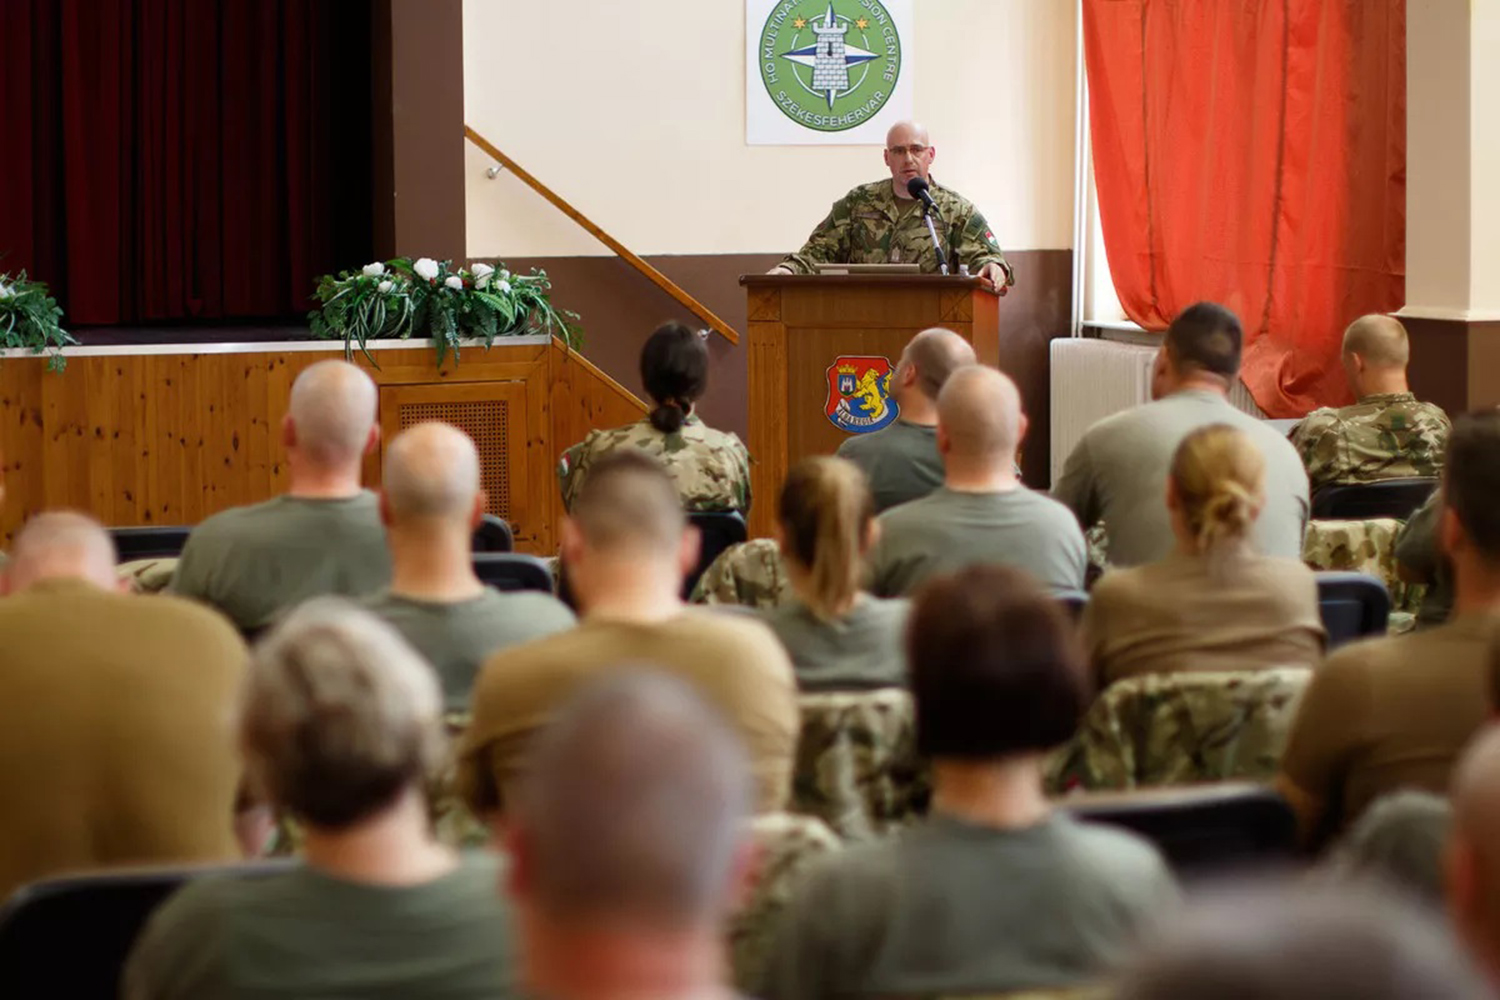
<point>883,222</point>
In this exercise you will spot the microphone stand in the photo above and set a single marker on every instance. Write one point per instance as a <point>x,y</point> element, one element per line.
<point>942,257</point>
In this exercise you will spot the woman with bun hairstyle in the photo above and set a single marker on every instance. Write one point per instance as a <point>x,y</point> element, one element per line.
<point>711,468</point>
<point>1214,603</point>
<point>838,637</point>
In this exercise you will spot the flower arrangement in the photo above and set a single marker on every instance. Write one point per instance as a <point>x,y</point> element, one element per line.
<point>29,317</point>
<point>428,298</point>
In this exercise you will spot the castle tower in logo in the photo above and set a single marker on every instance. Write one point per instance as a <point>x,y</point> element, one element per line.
<point>830,65</point>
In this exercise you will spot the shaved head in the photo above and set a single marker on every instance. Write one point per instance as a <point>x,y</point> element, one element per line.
<point>431,471</point>
<point>979,414</point>
<point>62,545</point>
<point>629,503</point>
<point>332,412</point>
<point>935,354</point>
<point>1380,340</point>
<point>908,154</point>
<point>903,133</point>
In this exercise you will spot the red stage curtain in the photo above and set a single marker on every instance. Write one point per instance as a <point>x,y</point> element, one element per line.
<point>176,159</point>
<point>1253,153</point>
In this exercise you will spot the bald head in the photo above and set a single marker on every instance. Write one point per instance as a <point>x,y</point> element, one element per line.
<point>908,154</point>
<point>1379,340</point>
<point>979,415</point>
<point>331,414</point>
<point>62,545</point>
<point>933,355</point>
<point>631,808</point>
<point>905,133</point>
<point>431,472</point>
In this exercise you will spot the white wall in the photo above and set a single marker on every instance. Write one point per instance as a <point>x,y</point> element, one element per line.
<point>634,112</point>
<point>1484,112</point>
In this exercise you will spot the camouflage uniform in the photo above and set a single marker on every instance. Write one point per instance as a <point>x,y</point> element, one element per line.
<point>869,225</point>
<point>1385,436</point>
<point>785,845</point>
<point>711,468</point>
<point>749,574</point>
<point>1367,546</point>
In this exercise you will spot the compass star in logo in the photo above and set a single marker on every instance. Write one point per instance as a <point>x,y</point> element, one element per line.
<point>830,65</point>
<point>831,55</point>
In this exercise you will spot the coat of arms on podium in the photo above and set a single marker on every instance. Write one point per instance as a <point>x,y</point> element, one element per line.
<point>859,394</point>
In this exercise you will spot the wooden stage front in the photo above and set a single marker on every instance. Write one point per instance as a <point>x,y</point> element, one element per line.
<point>170,433</point>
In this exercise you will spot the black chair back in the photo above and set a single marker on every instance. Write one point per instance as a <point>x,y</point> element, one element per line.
<point>1398,498</point>
<point>493,535</point>
<point>70,936</point>
<point>510,571</point>
<point>151,541</point>
<point>719,530</point>
<point>1201,829</point>
<point>1352,605</point>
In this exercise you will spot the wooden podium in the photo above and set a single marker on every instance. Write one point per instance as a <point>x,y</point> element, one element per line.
<point>800,328</point>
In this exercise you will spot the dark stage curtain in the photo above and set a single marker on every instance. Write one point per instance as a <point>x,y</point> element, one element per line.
<point>184,160</point>
<point>1254,153</point>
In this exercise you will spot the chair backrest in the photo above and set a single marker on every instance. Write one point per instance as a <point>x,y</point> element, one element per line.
<point>1199,830</point>
<point>1367,546</point>
<point>1177,729</point>
<point>1353,605</point>
<point>512,571</point>
<point>151,541</point>
<point>785,844</point>
<point>70,936</point>
<point>493,534</point>
<point>1398,498</point>
<point>749,574</point>
<point>857,766</point>
<point>719,530</point>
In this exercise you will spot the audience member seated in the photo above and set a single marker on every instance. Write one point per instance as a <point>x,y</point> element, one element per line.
<point>627,848</point>
<point>1394,713</point>
<point>627,546</point>
<point>113,714</point>
<point>902,462</point>
<point>982,514</point>
<point>1388,433</point>
<point>1302,942</point>
<point>340,722</point>
<point>995,891</point>
<point>1213,603</point>
<point>838,637</point>
<point>751,574</point>
<point>1114,474</point>
<point>323,536</point>
<point>1419,561</point>
<point>1400,840</point>
<point>430,501</point>
<point>710,469</point>
<point>1473,857</point>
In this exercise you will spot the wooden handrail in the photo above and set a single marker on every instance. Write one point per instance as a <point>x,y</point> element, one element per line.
<point>663,282</point>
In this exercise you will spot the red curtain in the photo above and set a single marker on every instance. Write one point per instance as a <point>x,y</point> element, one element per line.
<point>171,159</point>
<point>1253,152</point>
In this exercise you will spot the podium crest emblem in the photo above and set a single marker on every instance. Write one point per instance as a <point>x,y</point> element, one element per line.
<point>859,394</point>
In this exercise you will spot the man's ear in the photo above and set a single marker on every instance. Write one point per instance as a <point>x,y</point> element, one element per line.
<point>570,539</point>
<point>908,375</point>
<point>1461,881</point>
<point>944,443</point>
<point>748,862</point>
<point>688,550</point>
<point>481,501</point>
<point>384,502</point>
<point>288,432</point>
<point>373,440</point>
<point>1451,534</point>
<point>1174,496</point>
<point>1022,428</point>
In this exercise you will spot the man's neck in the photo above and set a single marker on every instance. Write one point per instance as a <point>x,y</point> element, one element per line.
<point>1476,587</point>
<point>917,409</point>
<point>980,477</point>
<point>432,564</point>
<point>1383,383</point>
<point>899,190</point>
<point>393,848</point>
<point>1005,794</point>
<point>625,963</point>
<point>1201,383</point>
<point>315,482</point>
<point>629,589</point>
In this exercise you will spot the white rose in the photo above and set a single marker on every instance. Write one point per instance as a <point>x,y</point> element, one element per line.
<point>504,287</point>
<point>385,286</point>
<point>504,275</point>
<point>374,270</point>
<point>426,268</point>
<point>482,274</point>
<point>6,292</point>
<point>455,282</point>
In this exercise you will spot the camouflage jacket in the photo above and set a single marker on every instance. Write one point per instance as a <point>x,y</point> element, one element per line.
<point>1387,436</point>
<point>750,574</point>
<point>869,225</point>
<point>1367,546</point>
<point>711,468</point>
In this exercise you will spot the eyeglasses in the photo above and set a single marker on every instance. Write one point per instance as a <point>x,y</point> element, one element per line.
<point>903,150</point>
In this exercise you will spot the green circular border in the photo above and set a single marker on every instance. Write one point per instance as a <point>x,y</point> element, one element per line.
<point>900,68</point>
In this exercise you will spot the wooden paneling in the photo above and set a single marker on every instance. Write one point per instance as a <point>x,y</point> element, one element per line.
<point>172,438</point>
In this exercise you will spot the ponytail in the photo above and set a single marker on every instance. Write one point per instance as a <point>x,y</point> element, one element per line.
<point>669,416</point>
<point>827,515</point>
<point>1219,475</point>
<point>674,370</point>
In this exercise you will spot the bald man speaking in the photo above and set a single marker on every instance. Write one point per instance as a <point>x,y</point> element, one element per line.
<point>881,222</point>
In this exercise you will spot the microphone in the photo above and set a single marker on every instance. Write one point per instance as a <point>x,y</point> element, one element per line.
<point>917,187</point>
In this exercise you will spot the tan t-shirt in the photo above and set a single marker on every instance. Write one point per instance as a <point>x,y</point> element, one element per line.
<point>115,742</point>
<point>735,662</point>
<point>1388,714</point>
<point>1178,615</point>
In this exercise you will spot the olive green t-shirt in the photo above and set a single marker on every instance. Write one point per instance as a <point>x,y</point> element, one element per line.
<point>457,636</point>
<point>861,649</point>
<point>253,562</point>
<point>901,462</point>
<point>950,908</point>
<point>305,934</point>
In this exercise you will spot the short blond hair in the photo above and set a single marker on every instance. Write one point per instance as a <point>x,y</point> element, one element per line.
<point>1379,339</point>
<point>1220,477</point>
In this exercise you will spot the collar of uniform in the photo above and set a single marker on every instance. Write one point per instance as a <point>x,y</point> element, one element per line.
<point>63,585</point>
<point>892,205</point>
<point>1386,398</point>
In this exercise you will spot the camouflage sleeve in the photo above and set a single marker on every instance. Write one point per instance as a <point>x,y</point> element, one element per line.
<point>1316,439</point>
<point>570,472</point>
<point>1416,544</point>
<point>742,469</point>
<point>829,242</point>
<point>976,246</point>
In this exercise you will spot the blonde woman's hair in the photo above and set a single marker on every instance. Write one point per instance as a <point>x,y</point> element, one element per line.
<point>827,516</point>
<point>1220,478</point>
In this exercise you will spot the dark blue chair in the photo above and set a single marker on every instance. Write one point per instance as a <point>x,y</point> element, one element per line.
<point>493,535</point>
<point>1398,498</point>
<point>512,571</point>
<point>150,541</point>
<point>1353,606</point>
<point>719,530</point>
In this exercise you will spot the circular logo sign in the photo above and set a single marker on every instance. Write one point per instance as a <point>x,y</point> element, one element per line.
<point>830,65</point>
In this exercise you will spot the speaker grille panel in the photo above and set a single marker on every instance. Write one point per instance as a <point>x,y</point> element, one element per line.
<point>487,421</point>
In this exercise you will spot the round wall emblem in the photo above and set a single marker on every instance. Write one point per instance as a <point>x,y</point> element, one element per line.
<point>830,64</point>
